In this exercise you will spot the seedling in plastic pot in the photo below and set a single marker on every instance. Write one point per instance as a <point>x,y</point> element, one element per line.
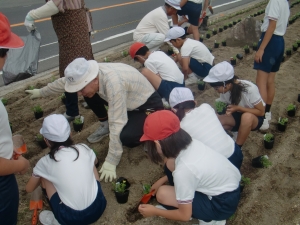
<point>40,140</point>
<point>233,61</point>
<point>224,43</point>
<point>220,29</point>
<point>246,49</point>
<point>291,110</point>
<point>214,31</point>
<point>216,45</point>
<point>295,47</point>
<point>244,181</point>
<point>268,140</point>
<point>121,192</point>
<point>201,85</point>
<point>78,124</point>
<point>288,51</point>
<point>220,107</point>
<point>282,123</point>
<point>261,162</point>
<point>38,111</point>
<point>254,46</point>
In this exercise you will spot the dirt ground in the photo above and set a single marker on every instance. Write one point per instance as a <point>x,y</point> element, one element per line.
<point>273,197</point>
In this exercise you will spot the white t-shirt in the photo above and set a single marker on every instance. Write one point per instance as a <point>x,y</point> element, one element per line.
<point>155,21</point>
<point>197,50</point>
<point>6,144</point>
<point>203,125</point>
<point>196,1</point>
<point>199,168</point>
<point>279,11</point>
<point>249,99</point>
<point>159,63</point>
<point>73,179</point>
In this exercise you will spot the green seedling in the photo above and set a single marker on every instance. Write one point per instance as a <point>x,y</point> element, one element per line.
<point>124,53</point>
<point>31,87</point>
<point>39,137</point>
<point>291,107</point>
<point>254,44</point>
<point>77,121</point>
<point>201,82</point>
<point>37,109</point>
<point>245,181</point>
<point>246,47</point>
<point>265,161</point>
<point>52,79</point>
<point>220,106</point>
<point>295,45</point>
<point>119,187</point>
<point>62,96</point>
<point>106,59</point>
<point>4,101</point>
<point>146,188</point>
<point>283,121</point>
<point>268,137</point>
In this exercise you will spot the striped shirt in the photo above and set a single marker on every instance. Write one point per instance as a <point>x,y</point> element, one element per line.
<point>125,89</point>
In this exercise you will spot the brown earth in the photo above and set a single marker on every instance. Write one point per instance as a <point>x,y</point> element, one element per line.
<point>273,197</point>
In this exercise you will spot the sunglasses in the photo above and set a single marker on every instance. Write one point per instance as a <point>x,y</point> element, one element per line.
<point>3,52</point>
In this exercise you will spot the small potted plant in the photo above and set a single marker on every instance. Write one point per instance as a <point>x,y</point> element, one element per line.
<point>40,140</point>
<point>288,51</point>
<point>291,110</point>
<point>147,193</point>
<point>208,34</point>
<point>268,140</point>
<point>282,123</point>
<point>78,124</point>
<point>233,61</point>
<point>220,29</point>
<point>106,59</point>
<point>63,98</point>
<point>239,20</point>
<point>246,49</point>
<point>201,85</point>
<point>38,111</point>
<point>124,53</point>
<point>214,31</point>
<point>234,22</point>
<point>295,47</point>
<point>31,87</point>
<point>170,51</point>
<point>121,191</point>
<point>225,26</point>
<point>244,181</point>
<point>261,162</point>
<point>221,107</point>
<point>254,46</point>
<point>4,101</point>
<point>251,15</point>
<point>291,21</point>
<point>224,43</point>
<point>216,45</point>
<point>201,38</point>
<point>255,14</point>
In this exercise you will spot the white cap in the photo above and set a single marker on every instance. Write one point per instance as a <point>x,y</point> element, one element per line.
<point>79,73</point>
<point>221,72</point>
<point>174,32</point>
<point>55,128</point>
<point>174,3</point>
<point>179,95</point>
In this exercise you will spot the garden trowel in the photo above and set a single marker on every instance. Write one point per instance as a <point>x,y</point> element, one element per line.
<point>36,202</point>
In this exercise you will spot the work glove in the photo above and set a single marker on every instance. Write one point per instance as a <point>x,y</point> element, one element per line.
<point>35,93</point>
<point>108,172</point>
<point>29,23</point>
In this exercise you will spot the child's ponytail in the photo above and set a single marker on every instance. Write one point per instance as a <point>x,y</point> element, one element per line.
<point>181,107</point>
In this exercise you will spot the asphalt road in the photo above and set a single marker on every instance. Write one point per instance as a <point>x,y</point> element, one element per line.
<point>110,17</point>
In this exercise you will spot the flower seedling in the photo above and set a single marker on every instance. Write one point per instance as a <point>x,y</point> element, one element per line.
<point>31,87</point>
<point>37,109</point>
<point>39,137</point>
<point>268,137</point>
<point>254,46</point>
<point>245,181</point>
<point>4,101</point>
<point>265,161</point>
<point>220,107</point>
<point>146,188</point>
<point>119,187</point>
<point>77,121</point>
<point>291,107</point>
<point>283,121</point>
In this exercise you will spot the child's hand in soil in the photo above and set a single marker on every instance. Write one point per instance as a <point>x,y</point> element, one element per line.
<point>147,210</point>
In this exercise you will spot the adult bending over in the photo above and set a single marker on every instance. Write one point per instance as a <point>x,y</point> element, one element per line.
<point>245,110</point>
<point>129,97</point>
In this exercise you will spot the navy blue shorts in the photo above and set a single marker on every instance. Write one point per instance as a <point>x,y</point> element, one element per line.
<point>219,207</point>
<point>9,200</point>
<point>166,87</point>
<point>237,156</point>
<point>237,118</point>
<point>66,215</point>
<point>201,69</point>
<point>192,10</point>
<point>273,54</point>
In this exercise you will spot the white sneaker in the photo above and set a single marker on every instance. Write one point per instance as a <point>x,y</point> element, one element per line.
<point>47,218</point>
<point>70,118</point>
<point>234,135</point>
<point>213,222</point>
<point>192,79</point>
<point>100,133</point>
<point>165,103</point>
<point>85,105</point>
<point>160,207</point>
<point>268,116</point>
<point>265,125</point>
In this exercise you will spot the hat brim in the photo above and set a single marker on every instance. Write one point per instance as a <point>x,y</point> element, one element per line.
<point>167,39</point>
<point>14,41</point>
<point>208,79</point>
<point>92,74</point>
<point>145,138</point>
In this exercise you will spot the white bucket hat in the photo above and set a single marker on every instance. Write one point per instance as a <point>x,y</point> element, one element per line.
<point>174,3</point>
<point>79,73</point>
<point>56,128</point>
<point>221,72</point>
<point>174,32</point>
<point>179,95</point>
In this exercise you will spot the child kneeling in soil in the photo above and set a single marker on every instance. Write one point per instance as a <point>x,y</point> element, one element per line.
<point>194,56</point>
<point>69,176</point>
<point>161,71</point>
<point>203,125</point>
<point>245,110</point>
<point>206,184</point>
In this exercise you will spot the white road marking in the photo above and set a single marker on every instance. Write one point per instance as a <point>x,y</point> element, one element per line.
<point>122,34</point>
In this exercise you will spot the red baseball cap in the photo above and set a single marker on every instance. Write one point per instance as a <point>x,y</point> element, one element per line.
<point>7,38</point>
<point>160,125</point>
<point>134,48</point>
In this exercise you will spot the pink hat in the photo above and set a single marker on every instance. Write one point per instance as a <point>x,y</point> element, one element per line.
<point>7,38</point>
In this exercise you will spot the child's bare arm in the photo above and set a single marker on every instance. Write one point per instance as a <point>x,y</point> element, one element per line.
<point>7,166</point>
